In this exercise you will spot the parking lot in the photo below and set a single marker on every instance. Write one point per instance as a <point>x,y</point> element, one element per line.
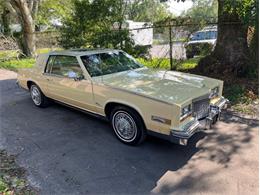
<point>67,152</point>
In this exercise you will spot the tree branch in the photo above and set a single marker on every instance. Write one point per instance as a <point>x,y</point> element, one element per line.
<point>30,4</point>
<point>34,9</point>
<point>9,7</point>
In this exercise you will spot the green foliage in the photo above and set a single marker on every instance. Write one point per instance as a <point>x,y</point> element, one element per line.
<point>91,23</point>
<point>201,49</point>
<point>99,23</point>
<point>53,9</point>
<point>188,64</point>
<point>12,177</point>
<point>201,13</point>
<point>14,65</point>
<point>3,186</point>
<point>247,10</point>
<point>139,51</point>
<point>164,63</point>
<point>147,11</point>
<point>235,93</point>
<point>242,99</point>
<point>8,54</point>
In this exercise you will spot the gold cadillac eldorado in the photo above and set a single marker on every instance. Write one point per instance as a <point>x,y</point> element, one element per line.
<point>137,101</point>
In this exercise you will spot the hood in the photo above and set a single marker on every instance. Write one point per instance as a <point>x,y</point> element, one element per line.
<point>169,86</point>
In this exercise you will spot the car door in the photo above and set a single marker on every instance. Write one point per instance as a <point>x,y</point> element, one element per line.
<point>67,83</point>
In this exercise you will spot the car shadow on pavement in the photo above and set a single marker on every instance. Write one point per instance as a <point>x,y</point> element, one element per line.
<point>67,151</point>
<point>235,138</point>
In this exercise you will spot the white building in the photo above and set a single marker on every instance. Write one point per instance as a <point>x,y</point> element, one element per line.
<point>141,32</point>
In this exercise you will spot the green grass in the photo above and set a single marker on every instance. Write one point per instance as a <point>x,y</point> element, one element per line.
<point>14,65</point>
<point>242,99</point>
<point>12,54</point>
<point>164,63</point>
<point>188,64</point>
<point>236,94</point>
<point>8,54</point>
<point>12,177</point>
<point>3,186</point>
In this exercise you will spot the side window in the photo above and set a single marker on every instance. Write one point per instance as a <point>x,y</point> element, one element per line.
<point>66,66</point>
<point>49,64</point>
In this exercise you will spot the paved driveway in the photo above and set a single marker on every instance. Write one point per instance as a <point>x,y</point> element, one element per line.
<point>68,152</point>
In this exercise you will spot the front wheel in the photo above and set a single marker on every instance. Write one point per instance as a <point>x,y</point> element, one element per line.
<point>128,125</point>
<point>38,98</point>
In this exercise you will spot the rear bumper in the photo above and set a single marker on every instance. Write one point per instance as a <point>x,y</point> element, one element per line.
<point>188,130</point>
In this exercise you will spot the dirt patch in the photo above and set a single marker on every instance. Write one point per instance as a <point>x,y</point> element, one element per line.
<point>7,74</point>
<point>242,92</point>
<point>12,177</point>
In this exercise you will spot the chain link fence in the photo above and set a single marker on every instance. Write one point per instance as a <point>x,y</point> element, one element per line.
<point>9,48</point>
<point>172,44</point>
<point>166,45</point>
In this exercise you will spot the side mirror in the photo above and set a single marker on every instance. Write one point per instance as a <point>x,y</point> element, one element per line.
<point>75,76</point>
<point>79,78</point>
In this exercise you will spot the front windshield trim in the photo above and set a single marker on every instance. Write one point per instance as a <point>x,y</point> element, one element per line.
<point>109,62</point>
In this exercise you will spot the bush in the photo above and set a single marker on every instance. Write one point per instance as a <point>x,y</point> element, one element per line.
<point>201,49</point>
<point>164,63</point>
<point>139,51</point>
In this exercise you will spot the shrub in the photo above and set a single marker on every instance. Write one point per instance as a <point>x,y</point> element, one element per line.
<point>201,49</point>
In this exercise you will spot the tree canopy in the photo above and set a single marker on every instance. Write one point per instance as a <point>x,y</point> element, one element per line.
<point>53,9</point>
<point>91,24</point>
<point>203,11</point>
<point>148,11</point>
<point>100,22</point>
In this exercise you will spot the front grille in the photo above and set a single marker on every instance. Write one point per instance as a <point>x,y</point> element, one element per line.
<point>201,108</point>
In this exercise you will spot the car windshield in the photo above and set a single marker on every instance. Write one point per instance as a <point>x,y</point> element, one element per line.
<point>110,62</point>
<point>204,35</point>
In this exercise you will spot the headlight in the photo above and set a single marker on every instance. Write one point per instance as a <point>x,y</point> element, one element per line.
<point>214,92</point>
<point>186,111</point>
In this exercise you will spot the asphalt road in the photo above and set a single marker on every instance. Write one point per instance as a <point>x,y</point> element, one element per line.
<point>67,152</point>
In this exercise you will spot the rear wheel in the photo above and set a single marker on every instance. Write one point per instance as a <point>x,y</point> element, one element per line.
<point>38,98</point>
<point>128,125</point>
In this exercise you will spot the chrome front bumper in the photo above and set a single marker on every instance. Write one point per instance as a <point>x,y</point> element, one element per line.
<point>188,130</point>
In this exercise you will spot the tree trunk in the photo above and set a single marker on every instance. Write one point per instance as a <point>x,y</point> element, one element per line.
<point>6,21</point>
<point>231,53</point>
<point>26,20</point>
<point>254,44</point>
